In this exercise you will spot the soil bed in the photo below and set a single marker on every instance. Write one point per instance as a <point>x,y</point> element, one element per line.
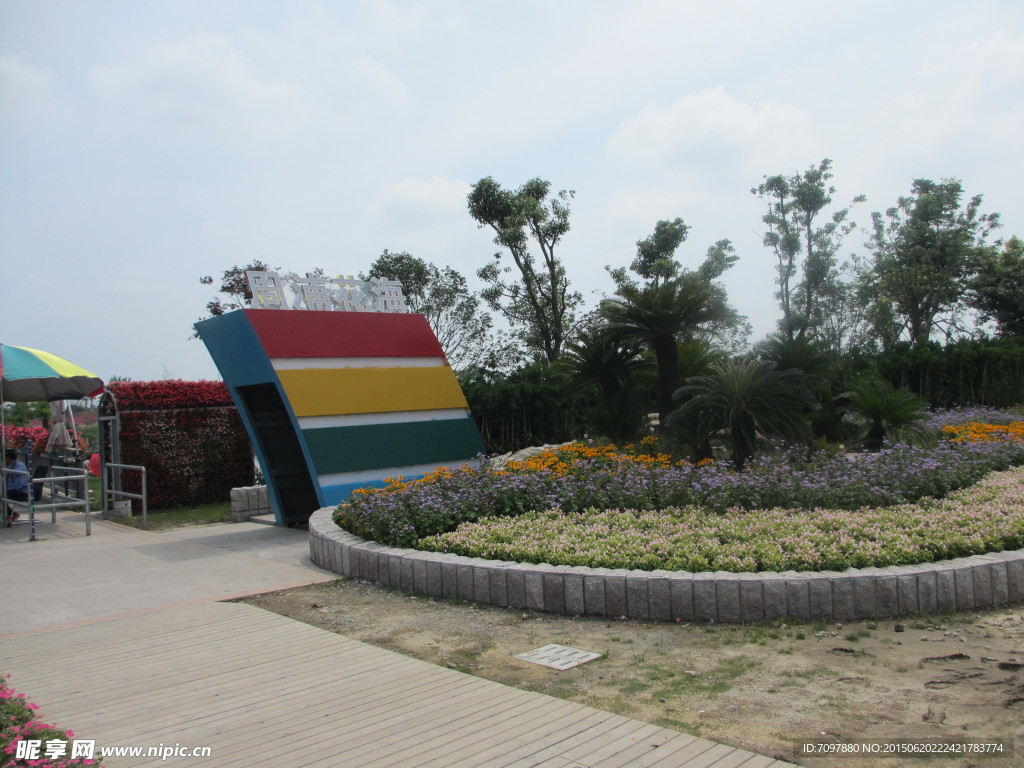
<point>761,687</point>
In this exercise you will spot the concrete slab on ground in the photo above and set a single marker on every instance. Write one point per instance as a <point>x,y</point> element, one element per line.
<point>66,577</point>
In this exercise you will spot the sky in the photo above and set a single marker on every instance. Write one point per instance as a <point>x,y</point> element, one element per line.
<point>146,144</point>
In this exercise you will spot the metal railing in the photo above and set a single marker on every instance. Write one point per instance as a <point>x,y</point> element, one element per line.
<point>112,491</point>
<point>57,500</point>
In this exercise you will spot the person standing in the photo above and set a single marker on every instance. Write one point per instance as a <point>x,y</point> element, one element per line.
<point>16,484</point>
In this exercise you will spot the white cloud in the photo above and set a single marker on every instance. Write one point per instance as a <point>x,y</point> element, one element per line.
<point>379,81</point>
<point>415,203</point>
<point>703,118</point>
<point>25,89</point>
<point>387,14</point>
<point>206,82</point>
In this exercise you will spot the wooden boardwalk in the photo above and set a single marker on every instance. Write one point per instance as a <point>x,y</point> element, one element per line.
<point>261,689</point>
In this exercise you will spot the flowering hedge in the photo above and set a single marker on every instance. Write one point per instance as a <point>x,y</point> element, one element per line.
<point>19,437</point>
<point>18,723</point>
<point>194,452</point>
<point>170,394</point>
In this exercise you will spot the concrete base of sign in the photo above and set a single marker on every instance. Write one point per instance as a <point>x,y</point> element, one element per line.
<point>969,583</point>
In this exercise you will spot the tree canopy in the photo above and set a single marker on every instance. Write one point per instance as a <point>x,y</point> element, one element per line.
<point>924,250</point>
<point>536,300</point>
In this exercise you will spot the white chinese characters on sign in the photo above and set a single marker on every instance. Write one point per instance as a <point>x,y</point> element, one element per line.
<point>325,294</point>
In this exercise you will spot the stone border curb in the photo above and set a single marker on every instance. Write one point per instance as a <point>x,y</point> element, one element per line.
<point>980,581</point>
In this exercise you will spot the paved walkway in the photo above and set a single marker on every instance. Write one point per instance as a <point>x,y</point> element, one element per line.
<point>120,637</point>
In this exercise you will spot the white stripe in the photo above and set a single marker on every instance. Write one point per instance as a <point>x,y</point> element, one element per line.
<point>367,475</point>
<point>392,417</point>
<point>305,363</point>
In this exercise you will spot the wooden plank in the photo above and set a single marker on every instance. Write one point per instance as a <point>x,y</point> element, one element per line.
<point>278,691</point>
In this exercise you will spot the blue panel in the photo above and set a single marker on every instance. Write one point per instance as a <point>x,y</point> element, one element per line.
<point>236,350</point>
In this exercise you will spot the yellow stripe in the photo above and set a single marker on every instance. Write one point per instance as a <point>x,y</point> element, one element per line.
<point>371,390</point>
<point>59,364</point>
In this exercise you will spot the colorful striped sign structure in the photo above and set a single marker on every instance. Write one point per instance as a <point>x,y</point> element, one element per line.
<point>335,401</point>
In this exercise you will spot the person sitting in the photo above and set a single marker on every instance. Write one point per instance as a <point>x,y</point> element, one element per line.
<point>17,484</point>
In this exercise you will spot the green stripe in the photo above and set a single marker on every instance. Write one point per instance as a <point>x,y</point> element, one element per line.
<point>353,449</point>
<point>21,364</point>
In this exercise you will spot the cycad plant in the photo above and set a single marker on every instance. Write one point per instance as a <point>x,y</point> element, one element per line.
<point>885,414</point>
<point>659,316</point>
<point>596,359</point>
<point>741,400</point>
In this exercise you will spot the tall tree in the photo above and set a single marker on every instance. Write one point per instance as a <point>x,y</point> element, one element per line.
<point>997,288</point>
<point>444,298</point>
<point>536,300</point>
<point>805,240</point>
<point>674,305</point>
<point>924,250</point>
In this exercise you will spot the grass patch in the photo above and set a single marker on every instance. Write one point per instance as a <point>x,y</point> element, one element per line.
<point>175,517</point>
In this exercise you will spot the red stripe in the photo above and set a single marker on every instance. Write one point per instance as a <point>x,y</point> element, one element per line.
<point>302,333</point>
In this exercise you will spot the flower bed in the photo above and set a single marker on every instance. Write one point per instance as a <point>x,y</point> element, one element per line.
<point>581,478</point>
<point>987,517</point>
<point>48,745</point>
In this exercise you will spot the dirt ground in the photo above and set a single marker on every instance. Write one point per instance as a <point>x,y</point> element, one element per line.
<point>764,688</point>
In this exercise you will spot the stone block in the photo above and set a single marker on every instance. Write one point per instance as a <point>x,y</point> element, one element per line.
<point>534,589</point>
<point>964,589</point>
<point>515,582</point>
<point>887,594</point>
<point>449,577</point>
<point>419,572</point>
<point>844,604</point>
<point>498,586</point>
<point>434,578</point>
<point>751,597</point>
<point>593,592</point>
<point>659,596</point>
<point>819,588</point>
<point>615,592</point>
<point>464,570</point>
<point>407,578</point>
<point>983,597</point>
<point>347,568</point>
<point>482,584</point>
<point>1000,584</point>
<point>798,600</point>
<point>927,591</point>
<point>865,603</point>
<point>906,593</point>
<point>705,602</point>
<point>680,587</point>
<point>773,593</point>
<point>575,603</point>
<point>554,592</point>
<point>1015,580</point>
<point>945,590</point>
<point>637,600</point>
<point>362,561</point>
<point>727,595</point>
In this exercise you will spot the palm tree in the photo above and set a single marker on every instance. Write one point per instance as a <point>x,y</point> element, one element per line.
<point>744,399</point>
<point>597,359</point>
<point>885,413</point>
<point>658,316</point>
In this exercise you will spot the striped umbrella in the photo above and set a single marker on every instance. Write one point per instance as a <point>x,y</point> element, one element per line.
<point>29,375</point>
